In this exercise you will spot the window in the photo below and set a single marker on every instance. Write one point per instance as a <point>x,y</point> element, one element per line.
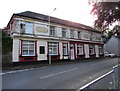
<point>72,33</point>
<point>26,28</point>
<point>28,48</point>
<point>65,51</point>
<point>53,48</point>
<point>42,50</point>
<point>22,27</point>
<point>100,49</point>
<point>91,49</point>
<point>52,31</point>
<point>79,34</point>
<point>29,28</point>
<point>80,49</point>
<point>64,33</point>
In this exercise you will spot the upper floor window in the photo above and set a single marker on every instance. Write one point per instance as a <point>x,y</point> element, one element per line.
<point>28,48</point>
<point>80,49</point>
<point>91,49</point>
<point>64,33</point>
<point>26,27</point>
<point>52,31</point>
<point>79,34</point>
<point>29,28</point>
<point>72,33</point>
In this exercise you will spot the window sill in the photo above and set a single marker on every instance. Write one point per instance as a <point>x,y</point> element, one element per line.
<point>101,54</point>
<point>53,55</point>
<point>27,56</point>
<point>80,54</point>
<point>92,54</point>
<point>65,55</point>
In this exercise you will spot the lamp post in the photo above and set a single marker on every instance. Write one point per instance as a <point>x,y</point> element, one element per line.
<point>49,35</point>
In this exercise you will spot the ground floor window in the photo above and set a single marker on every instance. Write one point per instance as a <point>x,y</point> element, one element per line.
<point>100,49</point>
<point>42,50</point>
<point>91,49</point>
<point>28,48</point>
<point>53,48</point>
<point>80,49</point>
<point>65,49</point>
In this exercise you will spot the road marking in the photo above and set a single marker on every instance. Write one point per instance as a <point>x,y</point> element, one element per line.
<point>10,72</point>
<point>92,82</point>
<point>58,73</point>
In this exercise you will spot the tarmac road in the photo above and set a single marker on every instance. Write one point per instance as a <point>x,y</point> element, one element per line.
<point>68,76</point>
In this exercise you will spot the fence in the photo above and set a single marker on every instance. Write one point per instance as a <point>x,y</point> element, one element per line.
<point>109,80</point>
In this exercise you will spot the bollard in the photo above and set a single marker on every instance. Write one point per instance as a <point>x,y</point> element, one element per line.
<point>114,85</point>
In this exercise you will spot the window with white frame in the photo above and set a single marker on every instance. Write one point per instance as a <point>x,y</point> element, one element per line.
<point>26,27</point>
<point>29,28</point>
<point>72,33</point>
<point>65,50</point>
<point>52,31</point>
<point>64,33</point>
<point>28,48</point>
<point>80,49</point>
<point>53,48</point>
<point>100,49</point>
<point>91,49</point>
<point>79,34</point>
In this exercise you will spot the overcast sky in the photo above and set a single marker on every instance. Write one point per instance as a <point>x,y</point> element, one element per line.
<point>73,10</point>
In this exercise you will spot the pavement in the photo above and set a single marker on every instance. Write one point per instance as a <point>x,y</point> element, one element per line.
<point>65,76</point>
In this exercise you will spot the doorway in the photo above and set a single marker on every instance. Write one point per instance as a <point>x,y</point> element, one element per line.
<point>72,57</point>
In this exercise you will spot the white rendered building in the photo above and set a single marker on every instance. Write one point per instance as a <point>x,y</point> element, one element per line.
<point>34,38</point>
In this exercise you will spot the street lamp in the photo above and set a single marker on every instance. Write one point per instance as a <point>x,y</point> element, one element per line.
<point>49,35</point>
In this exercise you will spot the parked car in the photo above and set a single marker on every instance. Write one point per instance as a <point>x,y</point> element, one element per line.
<point>109,54</point>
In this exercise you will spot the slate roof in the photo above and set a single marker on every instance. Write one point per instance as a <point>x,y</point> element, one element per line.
<point>43,17</point>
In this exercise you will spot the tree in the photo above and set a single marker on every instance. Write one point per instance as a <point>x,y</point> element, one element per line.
<point>116,30</point>
<point>6,43</point>
<point>106,13</point>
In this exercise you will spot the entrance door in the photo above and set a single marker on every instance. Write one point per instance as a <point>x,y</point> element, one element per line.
<point>72,52</point>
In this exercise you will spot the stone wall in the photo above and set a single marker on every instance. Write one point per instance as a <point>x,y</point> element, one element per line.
<point>7,59</point>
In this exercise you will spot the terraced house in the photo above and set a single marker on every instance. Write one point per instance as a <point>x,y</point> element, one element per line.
<point>34,38</point>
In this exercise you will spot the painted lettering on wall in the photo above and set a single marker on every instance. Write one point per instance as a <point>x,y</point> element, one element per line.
<point>41,29</point>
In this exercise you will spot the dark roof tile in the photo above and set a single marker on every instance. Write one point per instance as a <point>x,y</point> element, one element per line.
<point>55,20</point>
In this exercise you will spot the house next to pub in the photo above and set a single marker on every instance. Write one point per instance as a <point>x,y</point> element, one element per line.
<point>113,45</point>
<point>35,39</point>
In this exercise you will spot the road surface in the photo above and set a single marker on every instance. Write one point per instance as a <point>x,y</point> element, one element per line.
<point>68,76</point>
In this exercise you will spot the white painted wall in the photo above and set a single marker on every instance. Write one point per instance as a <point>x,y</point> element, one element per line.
<point>60,50</point>
<point>76,49</point>
<point>66,57</point>
<point>42,56</point>
<point>85,35</point>
<point>86,48</point>
<point>96,51</point>
<point>68,33</point>
<point>75,34</point>
<point>59,31</point>
<point>41,29</point>
<point>16,44</point>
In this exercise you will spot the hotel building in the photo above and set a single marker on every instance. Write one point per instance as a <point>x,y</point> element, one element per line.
<point>35,39</point>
